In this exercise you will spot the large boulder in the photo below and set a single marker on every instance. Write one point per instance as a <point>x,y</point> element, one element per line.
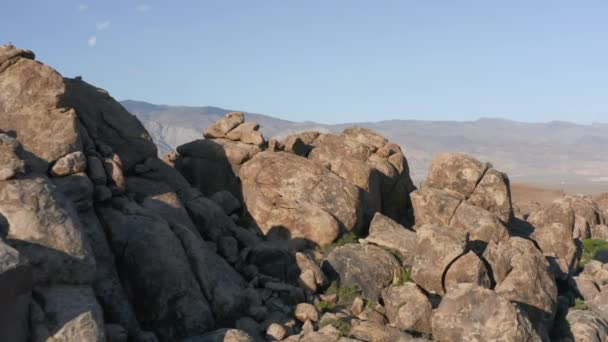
<point>44,226</point>
<point>434,206</point>
<point>156,272</point>
<point>436,248</point>
<point>472,313</point>
<point>368,267</point>
<point>557,244</point>
<point>32,109</point>
<point>456,172</point>
<point>407,308</point>
<point>523,276</point>
<point>586,325</point>
<point>297,197</point>
<point>469,268</point>
<point>386,233</point>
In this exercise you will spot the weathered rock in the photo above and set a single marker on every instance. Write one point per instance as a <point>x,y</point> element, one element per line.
<point>300,143</point>
<point>16,282</point>
<point>44,227</point>
<point>226,124</point>
<point>296,196</point>
<point>499,255</point>
<point>436,248</point>
<point>114,171</point>
<point>310,274</point>
<point>11,163</point>
<point>156,273</point>
<point>369,138</point>
<point>107,285</point>
<point>70,164</point>
<point>366,266</point>
<point>306,312</point>
<point>456,172</point>
<point>481,225</point>
<point>374,332</point>
<point>212,165</point>
<point>557,244</point>
<point>433,206</point>
<point>78,188</point>
<point>472,313</point>
<point>108,124</point>
<point>388,234</point>
<point>532,287</point>
<point>408,308</point>
<point>248,133</point>
<point>599,231</point>
<point>586,326</point>
<point>559,211</point>
<point>493,193</point>
<point>468,269</point>
<point>31,107</point>
<point>276,332</point>
<point>584,285</point>
<point>75,314</point>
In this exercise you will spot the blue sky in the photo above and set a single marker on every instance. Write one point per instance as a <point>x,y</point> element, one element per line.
<point>333,60</point>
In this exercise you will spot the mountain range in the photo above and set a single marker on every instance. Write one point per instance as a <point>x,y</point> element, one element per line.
<point>555,154</point>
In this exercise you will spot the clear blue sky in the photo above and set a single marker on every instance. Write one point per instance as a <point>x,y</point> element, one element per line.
<point>333,60</point>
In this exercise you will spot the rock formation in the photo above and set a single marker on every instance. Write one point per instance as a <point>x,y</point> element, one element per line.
<point>317,237</point>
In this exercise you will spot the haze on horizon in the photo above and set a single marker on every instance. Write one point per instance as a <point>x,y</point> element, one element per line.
<point>333,62</point>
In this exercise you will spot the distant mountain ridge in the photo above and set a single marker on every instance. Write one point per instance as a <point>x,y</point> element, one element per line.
<point>556,153</point>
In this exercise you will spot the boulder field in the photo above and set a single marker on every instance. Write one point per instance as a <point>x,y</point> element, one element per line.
<point>315,237</point>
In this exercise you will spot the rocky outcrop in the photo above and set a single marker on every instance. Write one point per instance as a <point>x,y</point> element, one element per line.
<point>287,194</point>
<point>466,194</point>
<point>318,237</point>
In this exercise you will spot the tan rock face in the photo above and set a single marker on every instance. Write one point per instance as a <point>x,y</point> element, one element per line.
<point>482,225</point>
<point>585,325</point>
<point>494,194</point>
<point>287,192</point>
<point>468,269</point>
<point>11,164</point>
<point>455,172</point>
<point>388,234</point>
<point>434,206</point>
<point>74,162</point>
<point>557,244</point>
<point>45,228</point>
<point>436,248</point>
<point>31,109</point>
<point>408,308</point>
<point>472,313</point>
<point>220,128</point>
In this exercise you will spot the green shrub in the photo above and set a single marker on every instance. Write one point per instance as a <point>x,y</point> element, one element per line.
<point>590,249</point>
<point>580,304</point>
<point>346,294</point>
<point>341,325</point>
<point>406,277</point>
<point>345,239</point>
<point>324,305</point>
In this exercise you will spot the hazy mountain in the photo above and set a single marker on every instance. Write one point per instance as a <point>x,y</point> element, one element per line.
<point>553,153</point>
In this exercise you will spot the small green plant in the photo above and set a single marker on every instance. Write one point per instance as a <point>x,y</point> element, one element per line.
<point>341,325</point>
<point>345,239</point>
<point>590,249</point>
<point>345,294</point>
<point>324,305</point>
<point>580,304</point>
<point>406,277</point>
